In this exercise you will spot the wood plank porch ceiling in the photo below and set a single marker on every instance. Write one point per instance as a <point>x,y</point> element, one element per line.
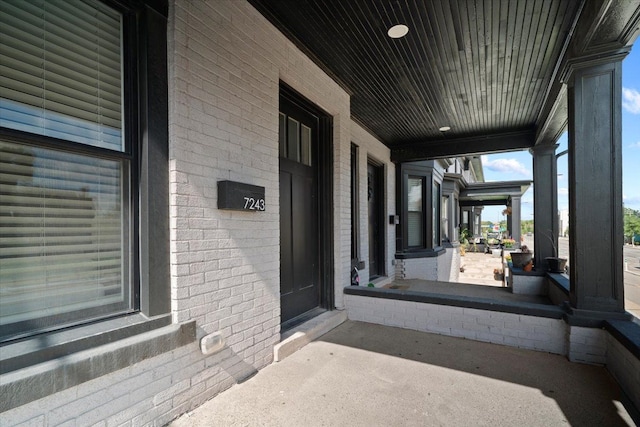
<point>482,67</point>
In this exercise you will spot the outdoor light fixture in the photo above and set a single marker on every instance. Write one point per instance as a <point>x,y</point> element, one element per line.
<point>445,128</point>
<point>398,31</point>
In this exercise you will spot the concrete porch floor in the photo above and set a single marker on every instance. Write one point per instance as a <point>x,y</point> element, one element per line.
<point>361,374</point>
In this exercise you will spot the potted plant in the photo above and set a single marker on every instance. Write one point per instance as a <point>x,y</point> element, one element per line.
<point>556,263</point>
<point>464,240</point>
<point>508,243</point>
<point>522,258</point>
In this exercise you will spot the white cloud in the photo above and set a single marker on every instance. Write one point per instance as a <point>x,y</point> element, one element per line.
<point>631,100</point>
<point>633,200</point>
<point>505,166</point>
<point>563,191</point>
<point>635,145</point>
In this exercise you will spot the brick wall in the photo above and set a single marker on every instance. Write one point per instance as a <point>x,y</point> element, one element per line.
<point>444,268</point>
<point>625,368</point>
<point>371,148</point>
<point>587,345</point>
<point>516,330</point>
<point>417,268</point>
<point>225,65</point>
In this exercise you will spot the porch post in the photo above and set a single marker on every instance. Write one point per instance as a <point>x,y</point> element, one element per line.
<point>595,186</point>
<point>516,213</point>
<point>545,204</point>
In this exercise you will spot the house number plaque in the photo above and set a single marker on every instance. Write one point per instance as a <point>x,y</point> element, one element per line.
<point>238,196</point>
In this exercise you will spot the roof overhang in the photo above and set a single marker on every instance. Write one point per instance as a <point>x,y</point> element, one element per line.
<point>492,193</point>
<point>489,72</point>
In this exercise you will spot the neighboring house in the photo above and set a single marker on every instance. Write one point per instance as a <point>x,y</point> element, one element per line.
<point>179,184</point>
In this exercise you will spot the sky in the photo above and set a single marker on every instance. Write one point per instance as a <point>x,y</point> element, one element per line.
<point>519,165</point>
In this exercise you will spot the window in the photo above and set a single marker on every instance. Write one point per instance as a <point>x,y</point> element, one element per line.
<point>68,224</point>
<point>445,218</point>
<point>454,214</point>
<point>295,140</point>
<point>415,219</point>
<point>465,220</point>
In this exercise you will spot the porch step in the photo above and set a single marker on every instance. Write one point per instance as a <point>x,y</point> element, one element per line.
<point>296,338</point>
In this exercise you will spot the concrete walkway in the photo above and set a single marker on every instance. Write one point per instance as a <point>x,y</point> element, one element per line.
<point>362,374</point>
<point>478,269</point>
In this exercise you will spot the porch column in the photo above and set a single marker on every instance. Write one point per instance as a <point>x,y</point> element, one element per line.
<point>595,186</point>
<point>516,213</point>
<point>545,204</point>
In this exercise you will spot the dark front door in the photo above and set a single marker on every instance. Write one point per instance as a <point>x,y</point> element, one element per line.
<point>375,196</point>
<point>299,219</point>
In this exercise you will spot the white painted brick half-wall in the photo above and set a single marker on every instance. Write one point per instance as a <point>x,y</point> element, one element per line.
<point>417,268</point>
<point>516,330</point>
<point>587,345</point>
<point>625,368</point>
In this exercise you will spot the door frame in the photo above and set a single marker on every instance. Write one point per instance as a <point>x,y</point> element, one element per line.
<point>325,192</point>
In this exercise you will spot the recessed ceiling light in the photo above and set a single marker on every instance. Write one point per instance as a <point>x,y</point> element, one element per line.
<point>445,128</point>
<point>398,31</point>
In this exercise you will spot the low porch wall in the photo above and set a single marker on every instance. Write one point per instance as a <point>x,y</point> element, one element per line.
<point>516,330</point>
<point>527,283</point>
<point>616,345</point>
<point>441,266</point>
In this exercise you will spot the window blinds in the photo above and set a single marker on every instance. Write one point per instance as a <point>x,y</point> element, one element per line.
<point>61,69</point>
<point>62,233</point>
<point>64,228</point>
<point>414,214</point>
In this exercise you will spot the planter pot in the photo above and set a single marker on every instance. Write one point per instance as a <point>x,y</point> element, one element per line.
<point>520,259</point>
<point>556,265</point>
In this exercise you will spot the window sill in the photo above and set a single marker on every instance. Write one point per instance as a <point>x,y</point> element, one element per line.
<point>50,363</point>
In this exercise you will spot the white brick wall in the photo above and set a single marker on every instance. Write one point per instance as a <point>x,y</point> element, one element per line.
<point>516,330</point>
<point>226,62</point>
<point>528,285</point>
<point>153,391</point>
<point>371,148</point>
<point>624,367</point>
<point>587,345</point>
<point>454,268</point>
<point>417,268</point>
<point>225,65</point>
<point>444,268</point>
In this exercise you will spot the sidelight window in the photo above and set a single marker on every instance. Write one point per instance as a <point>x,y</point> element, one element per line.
<point>415,216</point>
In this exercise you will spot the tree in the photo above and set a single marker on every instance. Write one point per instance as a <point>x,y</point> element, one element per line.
<point>631,221</point>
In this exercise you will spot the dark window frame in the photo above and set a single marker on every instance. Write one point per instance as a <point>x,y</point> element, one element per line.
<point>405,212</point>
<point>145,85</point>
<point>429,180</point>
<point>436,197</point>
